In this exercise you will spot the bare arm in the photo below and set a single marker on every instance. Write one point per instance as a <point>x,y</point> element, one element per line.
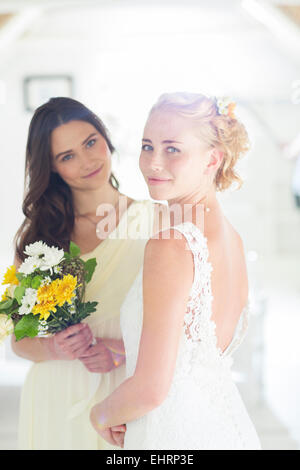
<point>168,275</point>
<point>68,344</point>
<point>34,349</point>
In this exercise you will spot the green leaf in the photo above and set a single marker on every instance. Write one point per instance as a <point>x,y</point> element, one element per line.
<point>55,324</point>
<point>85,309</point>
<point>26,281</point>
<point>90,266</point>
<point>18,294</point>
<point>27,327</point>
<point>36,282</point>
<point>88,307</point>
<point>74,249</point>
<point>6,304</point>
<point>19,276</point>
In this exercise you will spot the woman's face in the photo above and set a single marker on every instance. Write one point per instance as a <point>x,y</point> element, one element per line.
<point>175,163</point>
<point>80,155</point>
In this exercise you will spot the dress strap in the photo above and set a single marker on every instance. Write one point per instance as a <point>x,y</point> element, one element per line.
<point>197,243</point>
<point>199,304</point>
<point>195,238</point>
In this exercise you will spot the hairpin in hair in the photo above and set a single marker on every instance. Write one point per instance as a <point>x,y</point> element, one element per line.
<point>226,106</point>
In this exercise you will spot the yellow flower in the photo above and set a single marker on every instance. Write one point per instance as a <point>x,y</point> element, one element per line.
<point>47,301</point>
<point>46,292</point>
<point>56,293</point>
<point>65,289</point>
<point>5,295</point>
<point>44,308</point>
<point>10,276</point>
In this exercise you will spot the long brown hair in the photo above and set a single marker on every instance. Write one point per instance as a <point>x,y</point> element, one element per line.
<point>48,203</point>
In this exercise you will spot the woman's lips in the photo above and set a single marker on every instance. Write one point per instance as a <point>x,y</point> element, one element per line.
<point>94,172</point>
<point>153,181</point>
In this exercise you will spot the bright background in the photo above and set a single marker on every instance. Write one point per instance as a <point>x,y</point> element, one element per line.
<point>122,55</point>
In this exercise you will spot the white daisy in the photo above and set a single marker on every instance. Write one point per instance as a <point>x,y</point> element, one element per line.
<point>42,327</point>
<point>46,280</point>
<point>52,257</point>
<point>57,269</point>
<point>30,265</point>
<point>223,103</point>
<point>41,256</point>
<point>35,249</point>
<point>28,301</point>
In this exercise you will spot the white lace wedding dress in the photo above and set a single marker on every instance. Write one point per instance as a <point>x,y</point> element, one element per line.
<point>203,409</point>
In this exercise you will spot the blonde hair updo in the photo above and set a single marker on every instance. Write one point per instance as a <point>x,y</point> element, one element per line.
<point>222,131</point>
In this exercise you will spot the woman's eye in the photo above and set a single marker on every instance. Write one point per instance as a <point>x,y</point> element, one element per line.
<point>172,150</point>
<point>91,143</point>
<point>147,147</point>
<point>66,157</point>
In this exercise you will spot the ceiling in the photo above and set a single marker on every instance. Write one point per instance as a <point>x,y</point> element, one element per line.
<point>9,10</point>
<point>59,20</point>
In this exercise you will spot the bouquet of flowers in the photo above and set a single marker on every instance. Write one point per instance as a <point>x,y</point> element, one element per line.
<point>46,295</point>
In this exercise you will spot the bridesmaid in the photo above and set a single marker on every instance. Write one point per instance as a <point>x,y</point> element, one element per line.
<point>68,176</point>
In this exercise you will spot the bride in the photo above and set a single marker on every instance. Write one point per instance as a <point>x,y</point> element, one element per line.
<point>187,310</point>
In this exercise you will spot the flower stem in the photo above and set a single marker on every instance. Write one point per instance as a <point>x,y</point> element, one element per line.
<point>62,323</point>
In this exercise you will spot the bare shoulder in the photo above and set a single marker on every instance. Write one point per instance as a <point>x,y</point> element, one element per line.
<point>226,247</point>
<point>168,270</point>
<point>238,241</point>
<point>234,235</point>
<point>238,257</point>
<point>167,252</point>
<point>238,238</point>
<point>168,240</point>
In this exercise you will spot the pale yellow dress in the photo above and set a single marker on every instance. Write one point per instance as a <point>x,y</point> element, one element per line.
<point>57,395</point>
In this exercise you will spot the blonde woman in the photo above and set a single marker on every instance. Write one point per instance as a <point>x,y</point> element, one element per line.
<point>187,309</point>
<point>68,170</point>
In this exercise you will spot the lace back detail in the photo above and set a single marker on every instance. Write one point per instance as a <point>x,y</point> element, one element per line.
<point>199,302</point>
<point>198,326</point>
